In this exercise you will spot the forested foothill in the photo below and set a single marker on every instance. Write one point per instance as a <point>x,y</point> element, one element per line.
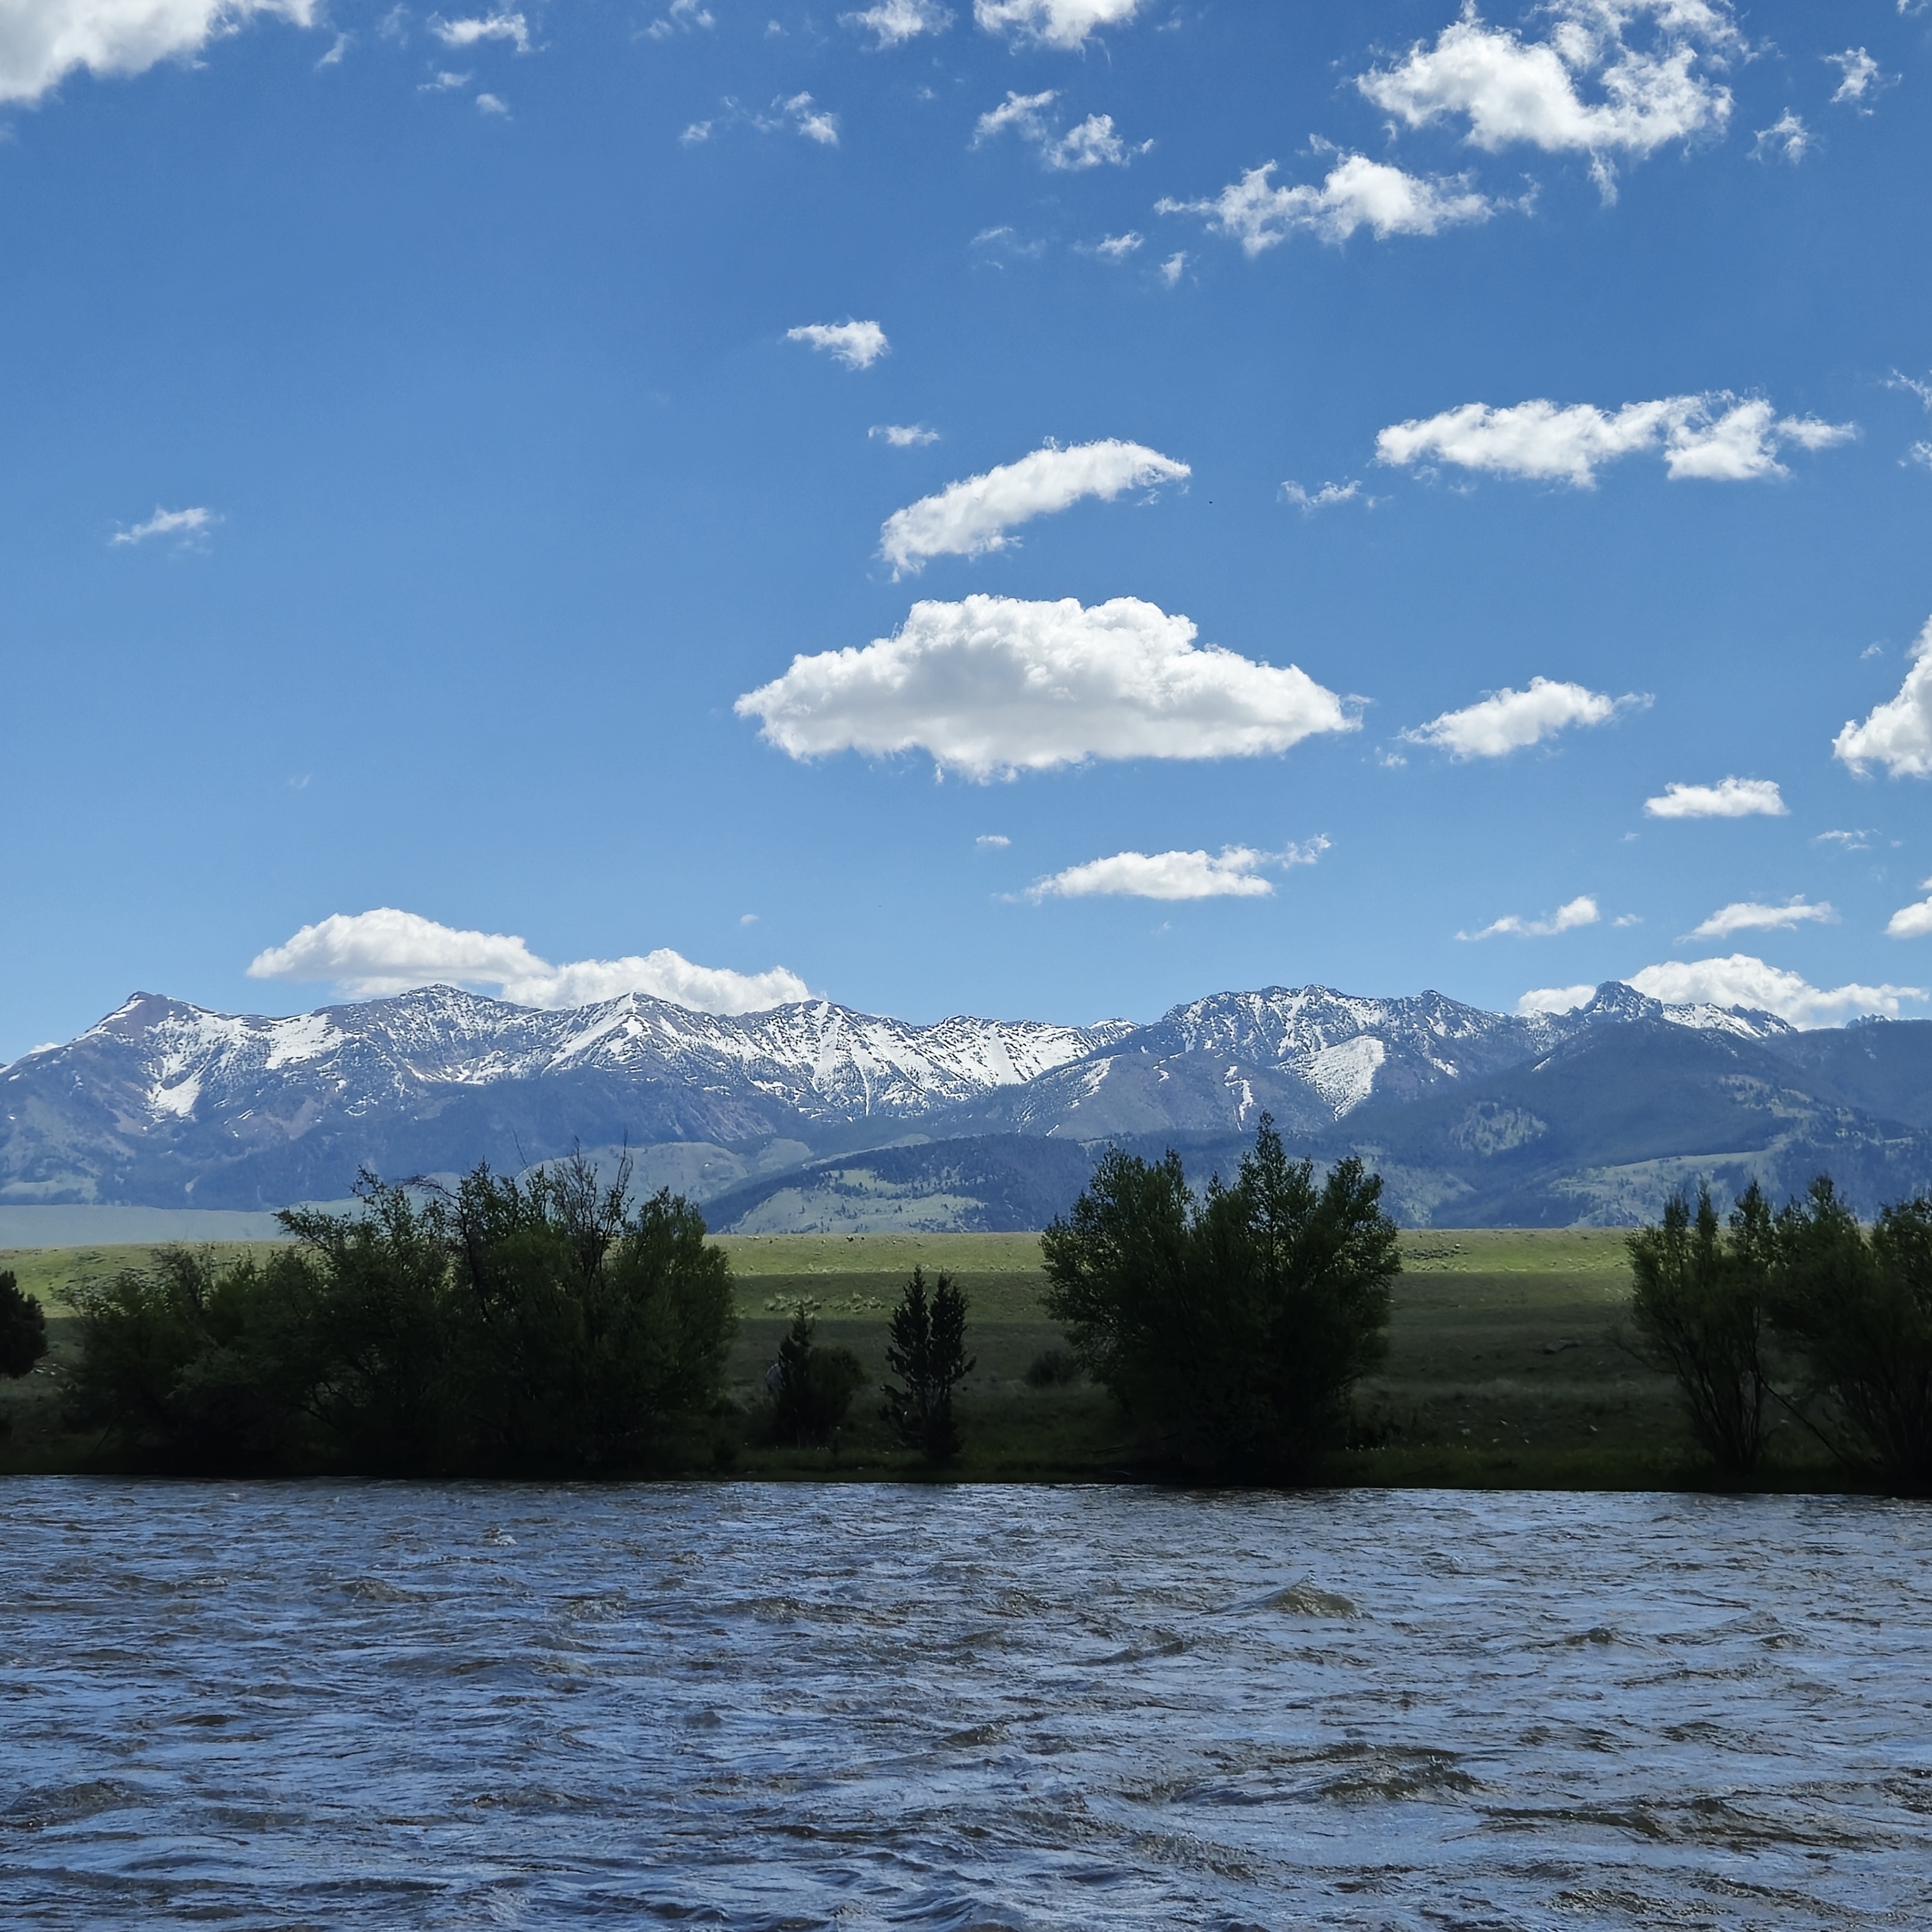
<point>1274,1327</point>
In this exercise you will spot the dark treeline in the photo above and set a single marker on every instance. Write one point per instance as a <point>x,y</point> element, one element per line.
<point>546,1326</point>
<point>1803,1318</point>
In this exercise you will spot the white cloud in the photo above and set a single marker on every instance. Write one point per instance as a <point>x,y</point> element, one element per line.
<point>1714,437</point>
<point>445,82</point>
<point>42,41</point>
<point>1911,922</point>
<point>1860,77</point>
<point>995,841</point>
<point>903,436</point>
<point>1091,145</point>
<point>1055,23</point>
<point>1919,453</point>
<point>969,518</point>
<point>1511,91</point>
<point>188,525</point>
<point>857,344</point>
<point>1358,193</point>
<point>370,954</point>
<point>995,684</point>
<point>1923,390</point>
<point>1856,841</point>
<point>1555,999</point>
<point>1897,734</point>
<point>1235,872</point>
<point>1330,494</point>
<point>1748,916</point>
<point>799,113</point>
<point>1578,912</point>
<point>492,103</point>
<point>511,27</point>
<point>334,56</point>
<point>1730,798</point>
<point>1507,720</point>
<point>683,17</point>
<point>895,22</point>
<point>1740,980</point>
<point>1118,247</point>
<point>1170,269</point>
<point>1786,139</point>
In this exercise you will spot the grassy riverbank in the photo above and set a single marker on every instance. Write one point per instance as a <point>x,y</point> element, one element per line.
<point>1503,1371</point>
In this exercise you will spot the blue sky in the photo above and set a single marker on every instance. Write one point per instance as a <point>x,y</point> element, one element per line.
<point>421,475</point>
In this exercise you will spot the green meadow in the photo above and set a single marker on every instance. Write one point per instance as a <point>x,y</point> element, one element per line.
<point>1504,1368</point>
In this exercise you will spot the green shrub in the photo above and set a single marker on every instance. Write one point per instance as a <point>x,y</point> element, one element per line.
<point>1054,1368</point>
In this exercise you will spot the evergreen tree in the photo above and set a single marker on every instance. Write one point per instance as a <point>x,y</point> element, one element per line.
<point>927,1351</point>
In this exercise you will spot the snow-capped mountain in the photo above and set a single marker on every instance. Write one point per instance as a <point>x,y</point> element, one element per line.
<point>165,1104</point>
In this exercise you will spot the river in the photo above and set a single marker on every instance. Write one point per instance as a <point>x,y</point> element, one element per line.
<point>331,1705</point>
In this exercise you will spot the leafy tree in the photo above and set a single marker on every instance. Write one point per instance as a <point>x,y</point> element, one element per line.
<point>927,1351</point>
<point>1237,1326</point>
<point>1700,1305</point>
<point>23,1328</point>
<point>813,1387</point>
<point>1857,1304</point>
<point>180,1360</point>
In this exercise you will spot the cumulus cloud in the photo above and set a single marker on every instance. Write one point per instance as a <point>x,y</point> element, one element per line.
<point>1748,916</point>
<point>1358,193</point>
<point>511,27</point>
<point>1911,922</point>
<point>1053,23</point>
<point>857,344</point>
<point>1555,999</point>
<point>969,518</point>
<point>1897,734</point>
<point>1507,720</point>
<point>1118,247</point>
<point>1093,144</point>
<point>1787,138</point>
<point>893,22</point>
<point>1646,64</point>
<point>1730,798</point>
<point>42,41</point>
<point>996,685</point>
<point>903,436</point>
<point>1714,437</point>
<point>371,954</point>
<point>993,841</point>
<point>1740,980</point>
<point>1234,872</point>
<point>492,103</point>
<point>1580,911</point>
<point>1171,268</point>
<point>188,525</point>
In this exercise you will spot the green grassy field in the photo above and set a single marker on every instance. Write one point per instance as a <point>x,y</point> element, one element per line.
<point>1503,1369</point>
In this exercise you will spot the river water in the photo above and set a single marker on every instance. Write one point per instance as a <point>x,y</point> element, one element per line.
<point>321,1705</point>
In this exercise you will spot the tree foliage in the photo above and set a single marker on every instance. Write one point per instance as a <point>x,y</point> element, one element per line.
<point>1857,1303</point>
<point>23,1328</point>
<point>1700,1307</point>
<point>1234,1326</point>
<point>927,1350</point>
<point>545,1324</point>
<point>812,1388</point>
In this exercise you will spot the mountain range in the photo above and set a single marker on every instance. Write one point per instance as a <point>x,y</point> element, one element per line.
<point>814,1116</point>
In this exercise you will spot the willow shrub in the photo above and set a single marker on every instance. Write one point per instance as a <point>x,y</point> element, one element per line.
<point>1233,1326</point>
